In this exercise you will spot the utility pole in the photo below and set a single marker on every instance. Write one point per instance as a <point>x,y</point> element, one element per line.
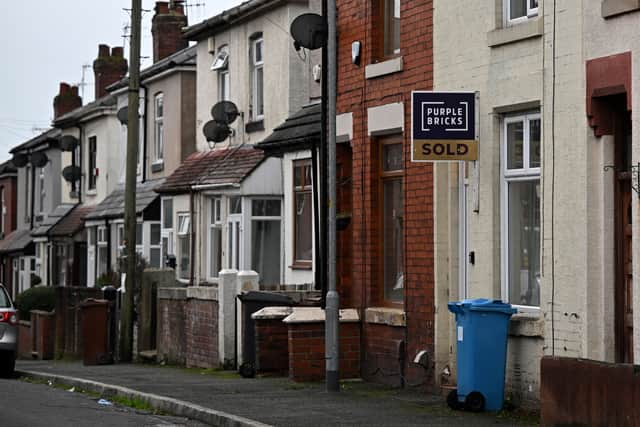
<point>332,321</point>
<point>133,131</point>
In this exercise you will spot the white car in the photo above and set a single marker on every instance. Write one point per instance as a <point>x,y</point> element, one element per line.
<point>8,334</point>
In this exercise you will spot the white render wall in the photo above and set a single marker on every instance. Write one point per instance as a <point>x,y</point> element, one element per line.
<point>285,74</point>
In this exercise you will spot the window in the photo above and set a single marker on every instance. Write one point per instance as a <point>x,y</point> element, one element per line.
<point>3,211</point>
<point>520,10</point>
<point>234,232</point>
<point>257,79</point>
<point>167,228</point>
<point>41,190</point>
<point>184,246</point>
<point>155,245</point>
<point>392,222</point>
<point>215,236</point>
<point>303,216</point>
<point>158,145</point>
<point>27,181</point>
<point>521,209</point>
<point>265,240</point>
<point>387,28</point>
<point>103,251</point>
<point>93,169</point>
<point>221,65</point>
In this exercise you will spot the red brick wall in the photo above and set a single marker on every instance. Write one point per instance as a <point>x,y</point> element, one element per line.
<point>201,319</point>
<point>307,355</point>
<point>356,95</point>
<point>172,331</point>
<point>272,348</point>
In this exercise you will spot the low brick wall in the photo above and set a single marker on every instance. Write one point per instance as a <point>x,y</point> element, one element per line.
<point>306,346</point>
<point>42,334</point>
<point>272,340</point>
<point>25,341</point>
<point>585,392</point>
<point>188,326</point>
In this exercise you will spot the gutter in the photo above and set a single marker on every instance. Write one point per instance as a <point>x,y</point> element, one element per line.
<point>213,186</point>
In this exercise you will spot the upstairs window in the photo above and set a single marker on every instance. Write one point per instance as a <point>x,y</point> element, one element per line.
<point>221,65</point>
<point>387,28</point>
<point>520,10</point>
<point>41,189</point>
<point>257,79</point>
<point>158,145</point>
<point>93,170</point>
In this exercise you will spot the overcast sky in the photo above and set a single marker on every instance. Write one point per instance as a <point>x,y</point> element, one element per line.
<point>46,42</point>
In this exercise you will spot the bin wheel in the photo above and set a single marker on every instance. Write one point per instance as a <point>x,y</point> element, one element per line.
<point>247,370</point>
<point>474,402</point>
<point>452,400</point>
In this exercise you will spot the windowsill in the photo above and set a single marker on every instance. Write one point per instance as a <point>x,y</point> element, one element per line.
<point>92,192</point>
<point>612,8</point>
<point>533,27</point>
<point>255,125</point>
<point>157,166</point>
<point>301,266</point>
<point>386,316</point>
<point>526,324</point>
<point>383,68</point>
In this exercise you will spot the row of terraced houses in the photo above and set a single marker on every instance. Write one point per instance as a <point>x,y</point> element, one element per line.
<point>545,219</point>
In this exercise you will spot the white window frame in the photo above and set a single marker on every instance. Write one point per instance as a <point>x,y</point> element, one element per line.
<point>255,66</point>
<point>235,235</point>
<point>158,129</point>
<point>183,230</point>
<point>42,193</point>
<point>532,12</point>
<point>214,222</point>
<point>151,246</point>
<point>221,65</point>
<point>255,218</point>
<point>166,233</point>
<point>526,173</point>
<point>102,242</point>
<point>92,171</point>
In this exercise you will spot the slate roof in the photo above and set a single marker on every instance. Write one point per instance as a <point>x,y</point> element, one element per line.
<point>113,205</point>
<point>298,132</point>
<point>107,102</point>
<point>52,219</point>
<point>16,241</point>
<point>72,223</point>
<point>218,167</point>
<point>184,57</point>
<point>48,137</point>
<point>228,18</point>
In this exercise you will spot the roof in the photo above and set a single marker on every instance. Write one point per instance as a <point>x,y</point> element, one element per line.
<point>48,137</point>
<point>107,102</point>
<point>228,18</point>
<point>72,223</point>
<point>298,132</point>
<point>7,168</point>
<point>52,219</point>
<point>113,205</point>
<point>16,241</point>
<point>218,167</point>
<point>184,57</point>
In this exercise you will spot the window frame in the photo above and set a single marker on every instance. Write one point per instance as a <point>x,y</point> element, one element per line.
<point>224,78</point>
<point>305,188</point>
<point>267,218</point>
<point>3,211</point>
<point>382,178</point>
<point>531,12</point>
<point>183,232</point>
<point>166,233</point>
<point>42,193</point>
<point>511,175</point>
<point>255,66</point>
<point>383,31</point>
<point>158,128</point>
<point>214,222</point>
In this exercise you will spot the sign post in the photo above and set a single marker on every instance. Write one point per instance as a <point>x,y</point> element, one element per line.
<point>444,126</point>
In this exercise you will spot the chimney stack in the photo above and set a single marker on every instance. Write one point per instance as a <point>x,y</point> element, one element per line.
<point>66,100</point>
<point>110,67</point>
<point>166,28</point>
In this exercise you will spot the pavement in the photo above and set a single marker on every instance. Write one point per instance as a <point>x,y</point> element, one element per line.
<point>223,398</point>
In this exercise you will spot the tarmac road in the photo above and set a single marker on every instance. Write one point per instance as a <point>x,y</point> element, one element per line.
<point>33,405</point>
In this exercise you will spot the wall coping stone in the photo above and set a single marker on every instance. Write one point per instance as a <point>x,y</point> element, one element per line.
<point>386,316</point>
<point>317,315</point>
<point>202,293</point>
<point>268,313</point>
<point>526,325</point>
<point>43,313</point>
<point>172,293</point>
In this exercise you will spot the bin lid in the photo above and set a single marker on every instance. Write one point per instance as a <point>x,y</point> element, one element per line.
<point>268,297</point>
<point>481,304</point>
<point>92,302</point>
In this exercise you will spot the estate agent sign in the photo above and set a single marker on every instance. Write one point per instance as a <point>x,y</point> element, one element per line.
<point>444,126</point>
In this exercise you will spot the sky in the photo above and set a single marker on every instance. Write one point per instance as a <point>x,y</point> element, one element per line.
<point>45,42</point>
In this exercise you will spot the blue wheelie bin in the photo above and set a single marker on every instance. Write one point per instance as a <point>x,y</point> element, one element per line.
<point>482,326</point>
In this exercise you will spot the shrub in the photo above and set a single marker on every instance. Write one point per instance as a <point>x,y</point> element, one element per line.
<point>37,298</point>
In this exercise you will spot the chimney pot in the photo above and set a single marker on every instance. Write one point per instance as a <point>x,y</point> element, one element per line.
<point>117,51</point>
<point>64,88</point>
<point>162,8</point>
<point>103,50</point>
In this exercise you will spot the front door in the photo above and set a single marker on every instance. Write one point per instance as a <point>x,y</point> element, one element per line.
<point>624,257</point>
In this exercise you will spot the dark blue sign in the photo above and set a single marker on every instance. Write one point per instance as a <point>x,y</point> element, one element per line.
<point>443,115</point>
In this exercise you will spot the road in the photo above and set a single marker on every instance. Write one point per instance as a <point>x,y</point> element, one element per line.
<point>33,405</point>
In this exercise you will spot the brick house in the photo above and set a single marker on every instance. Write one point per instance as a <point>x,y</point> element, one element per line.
<point>8,217</point>
<point>392,262</point>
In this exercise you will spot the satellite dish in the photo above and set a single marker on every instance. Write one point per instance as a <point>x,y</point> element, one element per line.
<point>123,115</point>
<point>224,112</point>
<point>216,132</point>
<point>39,159</point>
<point>68,143</point>
<point>71,173</point>
<point>309,30</point>
<point>20,160</point>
